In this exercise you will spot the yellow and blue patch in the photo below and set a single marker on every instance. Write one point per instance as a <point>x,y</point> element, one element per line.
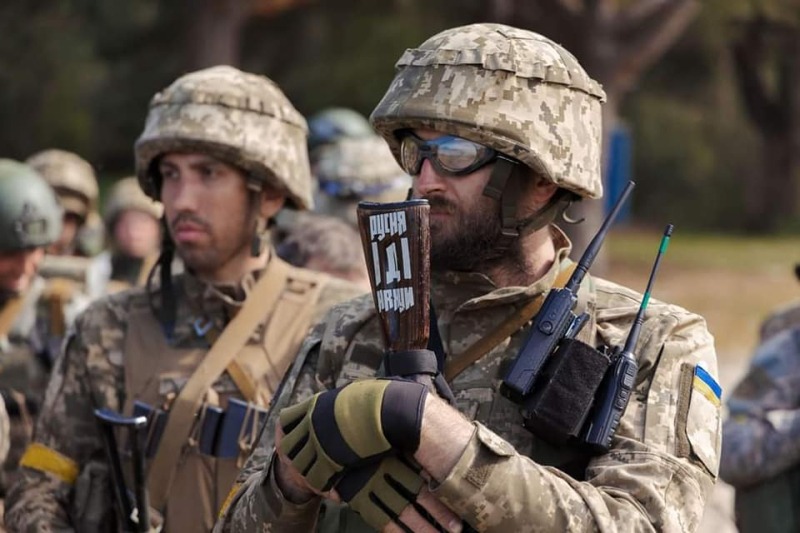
<point>705,384</point>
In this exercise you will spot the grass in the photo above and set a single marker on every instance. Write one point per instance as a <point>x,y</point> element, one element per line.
<point>734,282</point>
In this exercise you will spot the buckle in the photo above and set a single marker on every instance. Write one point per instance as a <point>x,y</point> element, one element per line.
<point>200,328</point>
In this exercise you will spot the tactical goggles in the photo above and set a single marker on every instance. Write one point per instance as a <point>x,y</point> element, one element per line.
<point>449,155</point>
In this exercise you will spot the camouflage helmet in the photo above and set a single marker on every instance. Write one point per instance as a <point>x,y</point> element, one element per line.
<point>358,167</point>
<point>241,118</point>
<point>513,90</point>
<point>335,123</point>
<point>127,195</point>
<point>71,176</point>
<point>30,215</point>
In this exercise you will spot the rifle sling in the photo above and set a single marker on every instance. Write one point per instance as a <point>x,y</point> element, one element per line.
<point>230,342</point>
<point>9,314</point>
<point>457,364</point>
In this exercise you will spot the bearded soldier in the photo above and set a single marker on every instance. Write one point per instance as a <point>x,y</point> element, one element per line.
<point>500,129</point>
<point>223,150</point>
<point>30,220</point>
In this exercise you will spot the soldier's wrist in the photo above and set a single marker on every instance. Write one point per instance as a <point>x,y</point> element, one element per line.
<point>287,485</point>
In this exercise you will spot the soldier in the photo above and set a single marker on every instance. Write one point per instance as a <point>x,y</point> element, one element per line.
<point>500,129</point>
<point>761,436</point>
<point>132,222</point>
<point>223,150</point>
<point>30,220</point>
<point>325,244</point>
<point>75,183</point>
<point>350,170</point>
<point>335,123</point>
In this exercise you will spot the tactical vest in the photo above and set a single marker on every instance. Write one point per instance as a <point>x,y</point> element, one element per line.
<point>501,414</point>
<point>154,370</point>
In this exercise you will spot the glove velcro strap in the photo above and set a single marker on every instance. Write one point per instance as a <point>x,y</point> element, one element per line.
<point>403,406</point>
<point>410,362</point>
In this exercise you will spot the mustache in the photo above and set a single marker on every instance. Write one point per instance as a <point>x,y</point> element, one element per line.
<point>440,203</point>
<point>182,218</point>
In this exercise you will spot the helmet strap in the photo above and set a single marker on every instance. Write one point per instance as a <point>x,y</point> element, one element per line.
<point>260,238</point>
<point>504,186</point>
<point>167,311</point>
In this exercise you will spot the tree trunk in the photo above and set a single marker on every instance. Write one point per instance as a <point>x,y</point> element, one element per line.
<point>215,32</point>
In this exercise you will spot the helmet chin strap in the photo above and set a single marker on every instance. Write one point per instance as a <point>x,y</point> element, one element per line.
<point>504,185</point>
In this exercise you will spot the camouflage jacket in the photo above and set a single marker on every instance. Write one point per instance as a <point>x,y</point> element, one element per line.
<point>762,433</point>
<point>89,374</point>
<point>27,353</point>
<point>657,475</point>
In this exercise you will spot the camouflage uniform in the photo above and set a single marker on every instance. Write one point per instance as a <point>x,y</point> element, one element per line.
<point>354,169</point>
<point>29,218</point>
<point>521,94</point>
<point>120,350</point>
<point>761,436</point>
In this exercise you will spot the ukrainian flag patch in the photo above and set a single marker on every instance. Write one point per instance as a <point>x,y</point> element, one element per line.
<point>705,384</point>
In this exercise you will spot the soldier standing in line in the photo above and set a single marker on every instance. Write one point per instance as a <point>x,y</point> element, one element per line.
<point>500,129</point>
<point>325,244</point>
<point>132,223</point>
<point>30,220</point>
<point>351,170</point>
<point>75,183</point>
<point>223,150</point>
<point>761,436</point>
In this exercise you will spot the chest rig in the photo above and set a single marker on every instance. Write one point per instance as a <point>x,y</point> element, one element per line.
<point>186,480</point>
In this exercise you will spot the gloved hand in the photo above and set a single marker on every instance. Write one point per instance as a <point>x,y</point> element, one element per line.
<point>351,426</point>
<point>380,491</point>
<point>391,495</point>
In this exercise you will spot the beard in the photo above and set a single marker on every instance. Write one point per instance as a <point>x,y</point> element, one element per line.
<point>468,240</point>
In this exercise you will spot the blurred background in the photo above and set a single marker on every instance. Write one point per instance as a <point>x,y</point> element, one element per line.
<point>703,110</point>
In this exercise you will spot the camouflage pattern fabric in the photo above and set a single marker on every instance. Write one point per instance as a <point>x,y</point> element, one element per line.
<point>26,357</point>
<point>127,195</point>
<point>241,118</point>
<point>513,90</point>
<point>71,176</point>
<point>762,433</point>
<point>352,170</point>
<point>90,374</point>
<point>787,317</point>
<point>657,475</point>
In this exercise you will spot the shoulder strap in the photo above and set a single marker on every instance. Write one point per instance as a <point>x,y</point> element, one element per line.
<point>9,314</point>
<point>182,414</point>
<point>285,331</point>
<point>505,329</point>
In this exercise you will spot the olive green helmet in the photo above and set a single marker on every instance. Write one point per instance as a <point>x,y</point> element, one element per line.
<point>513,90</point>
<point>30,215</point>
<point>127,195</point>
<point>241,118</point>
<point>71,176</point>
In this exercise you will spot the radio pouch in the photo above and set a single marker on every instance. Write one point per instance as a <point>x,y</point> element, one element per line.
<point>564,393</point>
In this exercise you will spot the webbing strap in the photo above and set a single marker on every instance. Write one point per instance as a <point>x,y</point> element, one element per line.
<point>9,314</point>
<point>230,342</point>
<point>505,329</point>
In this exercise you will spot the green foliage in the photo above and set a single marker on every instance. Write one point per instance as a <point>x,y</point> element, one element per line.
<point>78,74</point>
